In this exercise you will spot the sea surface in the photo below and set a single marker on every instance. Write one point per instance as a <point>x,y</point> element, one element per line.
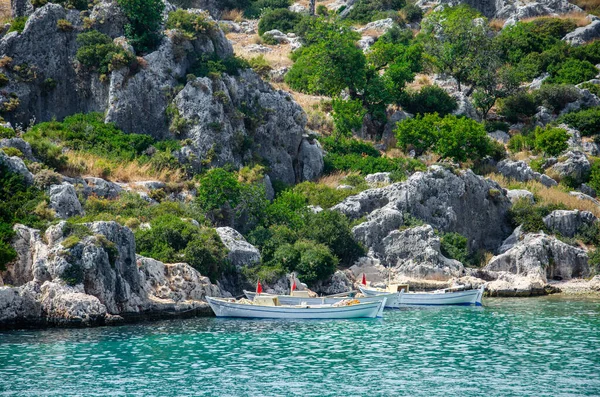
<point>510,347</point>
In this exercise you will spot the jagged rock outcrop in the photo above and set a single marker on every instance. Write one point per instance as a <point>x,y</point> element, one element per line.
<point>511,240</point>
<point>16,165</point>
<point>584,34</point>
<point>338,283</point>
<point>63,200</point>
<point>511,9</point>
<point>542,257</point>
<point>19,144</point>
<point>101,188</point>
<point>520,194</point>
<point>310,157</point>
<point>241,253</point>
<point>568,223</point>
<point>89,279</point>
<point>378,178</point>
<point>416,253</point>
<point>233,119</point>
<point>520,171</point>
<point>448,200</point>
<point>573,166</point>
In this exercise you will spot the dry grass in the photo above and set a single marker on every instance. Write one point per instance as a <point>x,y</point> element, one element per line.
<point>497,24</point>
<point>278,57</point>
<point>92,165</point>
<point>334,180</point>
<point>544,195</point>
<point>420,81</point>
<point>233,15</point>
<point>5,13</point>
<point>580,18</point>
<point>591,6</point>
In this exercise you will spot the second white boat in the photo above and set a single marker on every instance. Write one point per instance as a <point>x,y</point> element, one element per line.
<point>442,297</point>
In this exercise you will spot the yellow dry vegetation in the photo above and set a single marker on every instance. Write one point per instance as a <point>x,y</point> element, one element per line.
<point>278,57</point>
<point>87,164</point>
<point>591,6</point>
<point>233,15</point>
<point>545,195</point>
<point>580,18</point>
<point>5,14</point>
<point>334,179</point>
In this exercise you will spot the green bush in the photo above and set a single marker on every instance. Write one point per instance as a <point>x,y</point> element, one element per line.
<point>591,87</point>
<point>556,97</point>
<point>260,65</point>
<point>190,23</point>
<point>210,65</point>
<point>145,18</point>
<point>97,52</point>
<point>171,239</point>
<point>365,11</point>
<point>519,143</point>
<point>321,195</point>
<point>281,19</point>
<point>588,52</point>
<point>7,133</point>
<point>518,106</point>
<point>218,188</point>
<point>460,139</point>
<point>349,146</point>
<point>3,80</point>
<point>18,24</point>
<point>454,246</point>
<point>316,262</point>
<point>412,13</point>
<point>492,126</point>
<point>322,10</point>
<point>257,7</point>
<point>572,71</point>
<point>430,99</point>
<point>594,181</point>
<point>594,260</point>
<point>552,141</point>
<point>370,165</point>
<point>347,116</point>
<point>586,121</point>
<point>531,216</point>
<point>523,38</point>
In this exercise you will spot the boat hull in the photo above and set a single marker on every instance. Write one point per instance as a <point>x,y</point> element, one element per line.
<point>295,300</point>
<point>224,308</point>
<point>464,298</point>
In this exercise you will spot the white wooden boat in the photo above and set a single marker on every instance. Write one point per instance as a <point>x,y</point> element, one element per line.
<point>224,307</point>
<point>448,296</point>
<point>324,300</point>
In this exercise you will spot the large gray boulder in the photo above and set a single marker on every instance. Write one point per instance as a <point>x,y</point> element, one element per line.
<point>311,163</point>
<point>63,200</point>
<point>416,253</point>
<point>512,9</point>
<point>63,279</point>
<point>20,144</point>
<point>520,171</point>
<point>568,223</point>
<point>241,253</point>
<point>16,165</point>
<point>101,188</point>
<point>520,194</point>
<point>584,34</point>
<point>542,257</point>
<point>573,166</point>
<point>448,200</point>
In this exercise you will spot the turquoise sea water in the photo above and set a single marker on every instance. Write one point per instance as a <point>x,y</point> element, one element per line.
<point>510,347</point>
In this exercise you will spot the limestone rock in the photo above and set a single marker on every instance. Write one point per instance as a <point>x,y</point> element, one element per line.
<point>382,25</point>
<point>378,225</point>
<point>241,253</point>
<point>63,200</point>
<point>512,9</point>
<point>512,285</point>
<point>584,34</point>
<point>520,171</point>
<point>575,166</point>
<point>378,178</point>
<point>336,284</point>
<point>18,143</point>
<point>102,188</point>
<point>583,196</point>
<point>311,160</point>
<point>568,223</point>
<point>416,253</point>
<point>366,42</point>
<point>518,194</point>
<point>16,165</point>
<point>543,257</point>
<point>297,7</point>
<point>511,240</point>
<point>448,200</point>
<point>499,136</point>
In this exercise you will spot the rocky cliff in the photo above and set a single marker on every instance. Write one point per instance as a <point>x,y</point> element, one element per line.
<point>91,276</point>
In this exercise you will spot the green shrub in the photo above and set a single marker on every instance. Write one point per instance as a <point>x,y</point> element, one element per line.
<point>257,7</point>
<point>12,151</point>
<point>492,126</point>
<point>322,10</point>
<point>73,274</point>
<point>519,143</point>
<point>48,153</point>
<point>321,195</point>
<point>7,133</point>
<point>316,262</point>
<point>594,260</point>
<point>18,24</point>
<point>97,52</point>
<point>588,52</point>
<point>365,11</point>
<point>586,121</point>
<point>591,87</point>
<point>552,141</point>
<point>531,216</point>
<point>594,181</point>
<point>454,246</point>
<point>370,165</point>
<point>217,188</point>
<point>64,25</point>
<point>430,99</point>
<point>460,139</point>
<point>209,65</point>
<point>190,23</point>
<point>260,65</point>
<point>3,80</point>
<point>172,239</point>
<point>518,106</point>
<point>349,146</point>
<point>572,71</point>
<point>347,116</point>
<point>145,18</point>
<point>556,97</point>
<point>412,13</point>
<point>80,5</point>
<point>281,19</point>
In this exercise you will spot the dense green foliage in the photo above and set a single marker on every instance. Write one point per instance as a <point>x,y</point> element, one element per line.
<point>430,99</point>
<point>172,239</point>
<point>145,17</point>
<point>97,52</point>
<point>190,23</point>
<point>17,24</point>
<point>457,138</point>
<point>586,121</point>
<point>551,141</point>
<point>364,11</point>
<point>531,216</point>
<point>454,246</point>
<point>281,19</point>
<point>572,71</point>
<point>255,8</point>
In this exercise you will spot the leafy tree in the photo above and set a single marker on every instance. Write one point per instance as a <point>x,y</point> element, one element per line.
<point>98,52</point>
<point>365,11</point>
<point>572,71</point>
<point>552,141</point>
<point>256,7</point>
<point>430,99</point>
<point>587,121</point>
<point>347,116</point>
<point>281,19</point>
<point>454,246</point>
<point>455,40</point>
<point>418,134</point>
<point>145,17</point>
<point>518,106</point>
<point>190,23</point>
<point>316,261</point>
<point>218,194</point>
